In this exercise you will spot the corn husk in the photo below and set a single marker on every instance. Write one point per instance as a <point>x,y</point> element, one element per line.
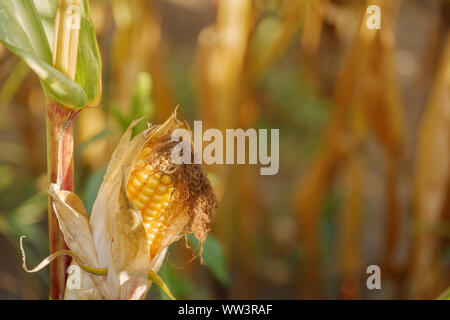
<point>111,247</point>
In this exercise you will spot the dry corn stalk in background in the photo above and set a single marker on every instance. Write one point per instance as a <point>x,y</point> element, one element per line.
<point>347,131</point>
<point>232,56</point>
<point>431,177</point>
<point>145,203</point>
<point>378,106</point>
<point>219,65</point>
<point>137,46</point>
<point>314,185</point>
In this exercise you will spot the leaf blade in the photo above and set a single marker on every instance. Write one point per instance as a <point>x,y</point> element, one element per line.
<point>214,258</point>
<point>55,83</point>
<point>28,18</point>
<point>88,72</point>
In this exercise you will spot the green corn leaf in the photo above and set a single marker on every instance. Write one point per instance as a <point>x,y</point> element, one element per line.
<point>92,186</point>
<point>102,134</point>
<point>47,13</point>
<point>28,18</point>
<point>11,33</point>
<point>160,283</point>
<point>141,102</point>
<point>27,29</point>
<point>181,286</point>
<point>12,84</point>
<point>54,82</point>
<point>88,69</point>
<point>214,257</point>
<point>445,295</point>
<point>88,73</point>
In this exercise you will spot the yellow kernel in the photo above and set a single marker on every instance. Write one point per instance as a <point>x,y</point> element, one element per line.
<point>148,191</point>
<point>148,219</point>
<point>157,224</point>
<point>138,184</point>
<point>161,189</point>
<point>154,230</point>
<point>139,204</point>
<point>166,179</point>
<point>147,224</point>
<point>150,213</point>
<point>143,198</point>
<point>158,198</point>
<point>151,192</point>
<point>142,176</point>
<point>154,206</point>
<point>132,190</point>
<point>146,151</point>
<point>152,182</point>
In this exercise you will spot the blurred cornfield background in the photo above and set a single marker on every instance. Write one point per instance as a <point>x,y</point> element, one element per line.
<point>364,119</point>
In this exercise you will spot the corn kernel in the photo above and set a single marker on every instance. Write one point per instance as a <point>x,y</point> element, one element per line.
<point>138,184</point>
<point>132,190</point>
<point>153,182</point>
<point>162,189</point>
<point>151,193</point>
<point>142,176</point>
<point>166,179</point>
<point>146,190</point>
<point>142,197</point>
<point>139,204</point>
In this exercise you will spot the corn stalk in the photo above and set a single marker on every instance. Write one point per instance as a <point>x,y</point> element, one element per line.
<point>60,134</point>
<point>69,77</point>
<point>219,68</point>
<point>339,144</point>
<point>59,170</point>
<point>431,176</point>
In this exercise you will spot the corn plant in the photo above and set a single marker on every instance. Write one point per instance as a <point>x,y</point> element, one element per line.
<point>145,202</point>
<point>57,41</point>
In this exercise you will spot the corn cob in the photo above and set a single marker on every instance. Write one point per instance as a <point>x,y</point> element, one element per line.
<point>151,192</point>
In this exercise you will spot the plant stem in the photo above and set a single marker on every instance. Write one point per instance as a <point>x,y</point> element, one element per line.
<point>59,170</point>
<point>60,133</point>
